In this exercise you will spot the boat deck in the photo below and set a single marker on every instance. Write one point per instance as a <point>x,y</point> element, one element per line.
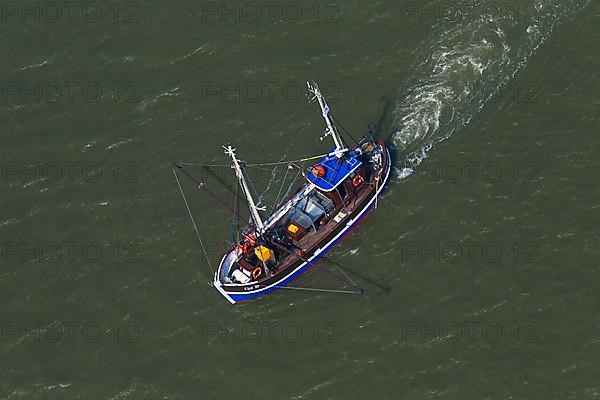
<point>292,252</point>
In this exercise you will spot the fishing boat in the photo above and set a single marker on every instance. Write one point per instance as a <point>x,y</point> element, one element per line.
<point>340,189</point>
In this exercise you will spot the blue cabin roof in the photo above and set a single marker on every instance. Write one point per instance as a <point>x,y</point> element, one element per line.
<point>336,171</point>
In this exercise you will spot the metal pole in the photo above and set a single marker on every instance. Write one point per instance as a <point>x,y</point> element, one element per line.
<point>339,144</point>
<point>251,205</point>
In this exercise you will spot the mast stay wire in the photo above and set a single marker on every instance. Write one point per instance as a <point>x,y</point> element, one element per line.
<point>193,222</point>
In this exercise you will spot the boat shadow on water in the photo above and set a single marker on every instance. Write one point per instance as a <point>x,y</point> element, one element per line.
<point>359,276</point>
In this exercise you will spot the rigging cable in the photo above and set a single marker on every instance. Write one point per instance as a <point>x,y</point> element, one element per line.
<point>339,269</point>
<point>287,171</point>
<point>246,164</point>
<point>292,184</point>
<point>344,129</point>
<point>359,290</point>
<point>201,185</point>
<point>312,289</point>
<point>286,161</point>
<point>273,177</point>
<point>193,221</point>
<point>259,205</point>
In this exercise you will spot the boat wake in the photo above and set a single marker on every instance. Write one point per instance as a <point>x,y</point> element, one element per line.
<point>465,65</point>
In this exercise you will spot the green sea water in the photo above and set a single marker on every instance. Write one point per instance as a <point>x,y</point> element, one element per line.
<point>479,265</point>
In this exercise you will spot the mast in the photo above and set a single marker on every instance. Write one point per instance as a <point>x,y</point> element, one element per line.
<point>313,89</point>
<point>251,205</point>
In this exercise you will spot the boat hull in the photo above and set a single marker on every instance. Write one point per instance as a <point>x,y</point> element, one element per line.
<point>239,293</point>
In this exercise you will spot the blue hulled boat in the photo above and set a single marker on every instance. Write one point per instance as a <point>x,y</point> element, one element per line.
<point>340,189</point>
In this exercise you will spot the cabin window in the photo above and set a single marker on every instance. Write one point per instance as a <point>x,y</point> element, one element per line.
<point>310,210</point>
<point>323,202</point>
<point>299,218</point>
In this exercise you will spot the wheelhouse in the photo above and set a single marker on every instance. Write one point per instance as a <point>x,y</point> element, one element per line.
<point>332,170</point>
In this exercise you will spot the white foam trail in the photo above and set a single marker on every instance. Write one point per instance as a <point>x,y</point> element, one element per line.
<point>468,63</point>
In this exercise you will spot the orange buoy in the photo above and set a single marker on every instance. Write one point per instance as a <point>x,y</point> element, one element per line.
<point>318,171</point>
